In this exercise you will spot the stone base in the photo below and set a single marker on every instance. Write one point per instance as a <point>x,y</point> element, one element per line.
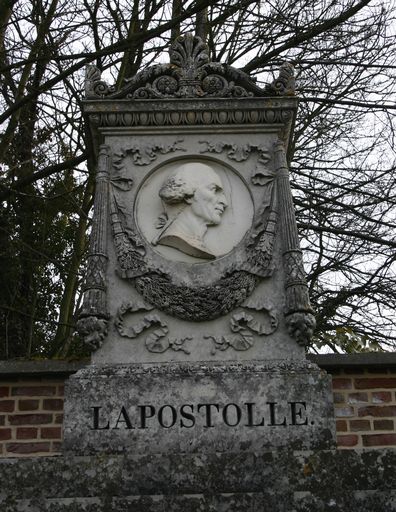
<point>199,408</point>
<point>283,481</point>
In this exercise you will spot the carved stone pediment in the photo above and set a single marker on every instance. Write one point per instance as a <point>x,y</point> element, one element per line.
<point>189,74</point>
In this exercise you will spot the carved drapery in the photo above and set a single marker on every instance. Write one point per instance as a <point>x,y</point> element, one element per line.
<point>93,317</point>
<point>298,312</point>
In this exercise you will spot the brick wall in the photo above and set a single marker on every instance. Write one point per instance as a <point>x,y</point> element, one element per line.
<point>31,416</point>
<point>31,403</point>
<point>365,408</point>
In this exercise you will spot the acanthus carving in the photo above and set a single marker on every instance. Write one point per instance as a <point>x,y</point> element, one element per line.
<point>93,330</point>
<point>189,74</point>
<point>301,326</point>
<point>246,324</point>
<point>158,340</point>
<point>144,154</point>
<point>284,84</point>
<point>94,85</point>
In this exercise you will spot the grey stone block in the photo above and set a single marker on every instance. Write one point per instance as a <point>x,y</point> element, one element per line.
<point>199,408</point>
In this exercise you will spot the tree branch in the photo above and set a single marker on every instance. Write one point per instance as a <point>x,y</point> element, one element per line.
<point>305,36</point>
<point>43,173</point>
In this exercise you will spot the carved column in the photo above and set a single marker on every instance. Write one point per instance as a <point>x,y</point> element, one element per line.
<point>92,324</point>
<point>298,311</point>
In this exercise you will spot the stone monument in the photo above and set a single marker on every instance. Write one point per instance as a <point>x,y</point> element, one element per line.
<point>196,306</point>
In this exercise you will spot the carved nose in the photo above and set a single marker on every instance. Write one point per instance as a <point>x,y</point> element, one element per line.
<point>223,200</point>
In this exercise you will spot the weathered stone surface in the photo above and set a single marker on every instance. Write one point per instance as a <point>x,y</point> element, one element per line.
<point>198,408</point>
<point>282,481</point>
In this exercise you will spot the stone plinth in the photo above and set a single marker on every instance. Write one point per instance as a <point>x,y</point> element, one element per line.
<point>204,408</point>
<point>281,481</point>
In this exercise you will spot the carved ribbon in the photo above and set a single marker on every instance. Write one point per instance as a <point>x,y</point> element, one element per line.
<point>246,325</point>
<point>158,340</point>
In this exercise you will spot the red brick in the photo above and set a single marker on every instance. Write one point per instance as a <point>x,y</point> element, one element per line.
<point>34,390</point>
<point>53,404</point>
<point>338,398</point>
<point>380,397</point>
<point>347,440</point>
<point>58,419</point>
<point>7,405</point>
<point>383,424</point>
<point>25,448</point>
<point>373,383</point>
<point>342,412</point>
<point>2,420</point>
<point>4,391</point>
<point>28,405</point>
<point>377,410</point>
<point>30,419</point>
<point>26,433</point>
<point>342,383</point>
<point>355,398</point>
<point>5,433</point>
<point>56,446</point>
<point>51,433</point>
<point>379,440</point>
<point>359,425</point>
<point>341,426</point>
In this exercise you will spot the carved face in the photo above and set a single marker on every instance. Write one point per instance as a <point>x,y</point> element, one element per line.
<point>208,201</point>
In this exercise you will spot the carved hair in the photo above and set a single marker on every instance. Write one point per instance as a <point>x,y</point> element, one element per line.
<point>176,189</point>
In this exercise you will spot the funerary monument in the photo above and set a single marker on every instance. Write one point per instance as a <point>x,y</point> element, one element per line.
<point>195,305</point>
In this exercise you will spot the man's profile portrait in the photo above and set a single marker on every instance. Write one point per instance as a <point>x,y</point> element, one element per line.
<point>193,199</point>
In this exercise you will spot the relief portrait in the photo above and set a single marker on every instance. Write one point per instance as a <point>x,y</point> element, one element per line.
<point>194,201</point>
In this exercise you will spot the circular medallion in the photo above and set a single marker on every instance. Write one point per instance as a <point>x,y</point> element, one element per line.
<point>193,210</point>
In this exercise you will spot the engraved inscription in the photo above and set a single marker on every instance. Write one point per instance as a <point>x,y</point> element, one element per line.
<point>204,415</point>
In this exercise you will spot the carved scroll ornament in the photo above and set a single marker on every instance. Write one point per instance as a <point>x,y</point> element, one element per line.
<point>190,74</point>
